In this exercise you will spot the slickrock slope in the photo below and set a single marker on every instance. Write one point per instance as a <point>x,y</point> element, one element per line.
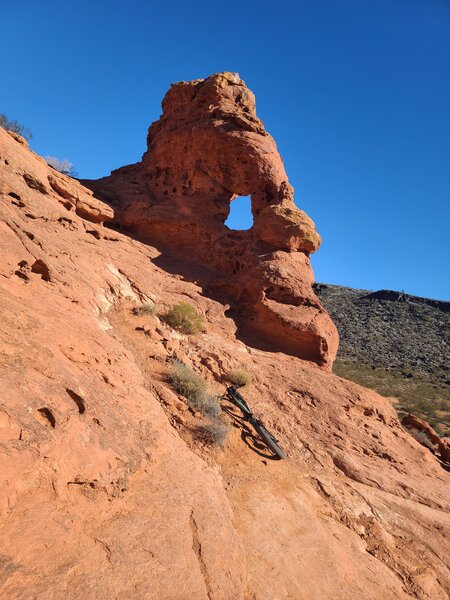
<point>207,148</point>
<point>106,491</point>
<point>101,498</point>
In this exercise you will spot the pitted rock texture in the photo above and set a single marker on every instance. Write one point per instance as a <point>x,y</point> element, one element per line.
<point>105,490</point>
<point>208,148</point>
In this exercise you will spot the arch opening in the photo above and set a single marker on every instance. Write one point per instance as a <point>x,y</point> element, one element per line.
<point>240,217</point>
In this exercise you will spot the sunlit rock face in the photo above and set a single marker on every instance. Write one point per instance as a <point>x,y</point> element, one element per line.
<point>208,148</point>
<point>106,489</point>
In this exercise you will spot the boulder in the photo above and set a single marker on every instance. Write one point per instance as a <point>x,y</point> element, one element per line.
<point>430,438</point>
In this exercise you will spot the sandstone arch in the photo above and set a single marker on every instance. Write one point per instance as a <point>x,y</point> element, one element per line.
<point>207,146</point>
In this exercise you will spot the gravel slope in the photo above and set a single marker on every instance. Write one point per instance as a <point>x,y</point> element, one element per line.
<point>396,343</point>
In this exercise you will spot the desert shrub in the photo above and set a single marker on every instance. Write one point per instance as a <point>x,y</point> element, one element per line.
<point>147,308</point>
<point>184,318</point>
<point>239,377</point>
<point>208,405</point>
<point>15,127</point>
<point>63,166</point>
<point>189,384</point>
<point>186,381</point>
<point>215,432</point>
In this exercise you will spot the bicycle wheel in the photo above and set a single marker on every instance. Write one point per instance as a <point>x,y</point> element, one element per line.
<point>270,441</point>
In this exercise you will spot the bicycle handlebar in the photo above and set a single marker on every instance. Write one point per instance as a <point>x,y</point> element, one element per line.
<point>232,390</point>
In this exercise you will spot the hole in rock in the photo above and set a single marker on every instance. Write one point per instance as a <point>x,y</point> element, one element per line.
<point>46,416</point>
<point>41,269</point>
<point>95,233</point>
<point>240,217</point>
<point>77,399</point>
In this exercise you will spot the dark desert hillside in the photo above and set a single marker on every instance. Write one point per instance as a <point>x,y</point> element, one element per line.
<point>397,344</point>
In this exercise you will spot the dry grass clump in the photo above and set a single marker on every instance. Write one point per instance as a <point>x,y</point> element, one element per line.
<point>215,432</point>
<point>239,377</point>
<point>184,318</point>
<point>208,405</point>
<point>147,308</point>
<point>190,385</point>
<point>186,381</point>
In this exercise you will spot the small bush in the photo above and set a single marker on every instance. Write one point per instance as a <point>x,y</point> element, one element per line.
<point>208,405</point>
<point>184,318</point>
<point>187,383</point>
<point>15,127</point>
<point>63,166</point>
<point>239,377</point>
<point>148,308</point>
<point>190,385</point>
<point>215,432</point>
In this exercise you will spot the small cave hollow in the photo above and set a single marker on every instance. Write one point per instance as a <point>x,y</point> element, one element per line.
<point>240,217</point>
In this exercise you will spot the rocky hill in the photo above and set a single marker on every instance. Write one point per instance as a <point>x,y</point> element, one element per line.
<point>397,343</point>
<point>107,489</point>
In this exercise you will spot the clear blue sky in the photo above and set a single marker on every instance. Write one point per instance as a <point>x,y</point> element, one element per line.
<point>355,92</point>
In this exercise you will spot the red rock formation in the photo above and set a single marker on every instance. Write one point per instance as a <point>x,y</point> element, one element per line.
<point>207,148</point>
<point>427,436</point>
<point>105,491</point>
<point>98,496</point>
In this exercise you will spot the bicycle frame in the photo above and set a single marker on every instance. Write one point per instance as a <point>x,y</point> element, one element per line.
<point>233,396</point>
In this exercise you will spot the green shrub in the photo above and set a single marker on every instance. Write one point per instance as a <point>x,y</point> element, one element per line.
<point>186,381</point>
<point>15,127</point>
<point>215,432</point>
<point>184,318</point>
<point>147,308</point>
<point>239,377</point>
<point>190,385</point>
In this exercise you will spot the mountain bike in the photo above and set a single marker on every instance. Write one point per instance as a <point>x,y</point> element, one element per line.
<point>233,396</point>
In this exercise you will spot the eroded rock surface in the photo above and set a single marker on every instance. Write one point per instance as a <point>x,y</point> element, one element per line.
<point>207,148</point>
<point>106,492</point>
<point>98,498</point>
<point>427,436</point>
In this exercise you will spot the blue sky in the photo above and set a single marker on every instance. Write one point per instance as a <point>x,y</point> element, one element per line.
<point>355,92</point>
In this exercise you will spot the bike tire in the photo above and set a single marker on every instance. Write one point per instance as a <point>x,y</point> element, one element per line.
<point>270,441</point>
